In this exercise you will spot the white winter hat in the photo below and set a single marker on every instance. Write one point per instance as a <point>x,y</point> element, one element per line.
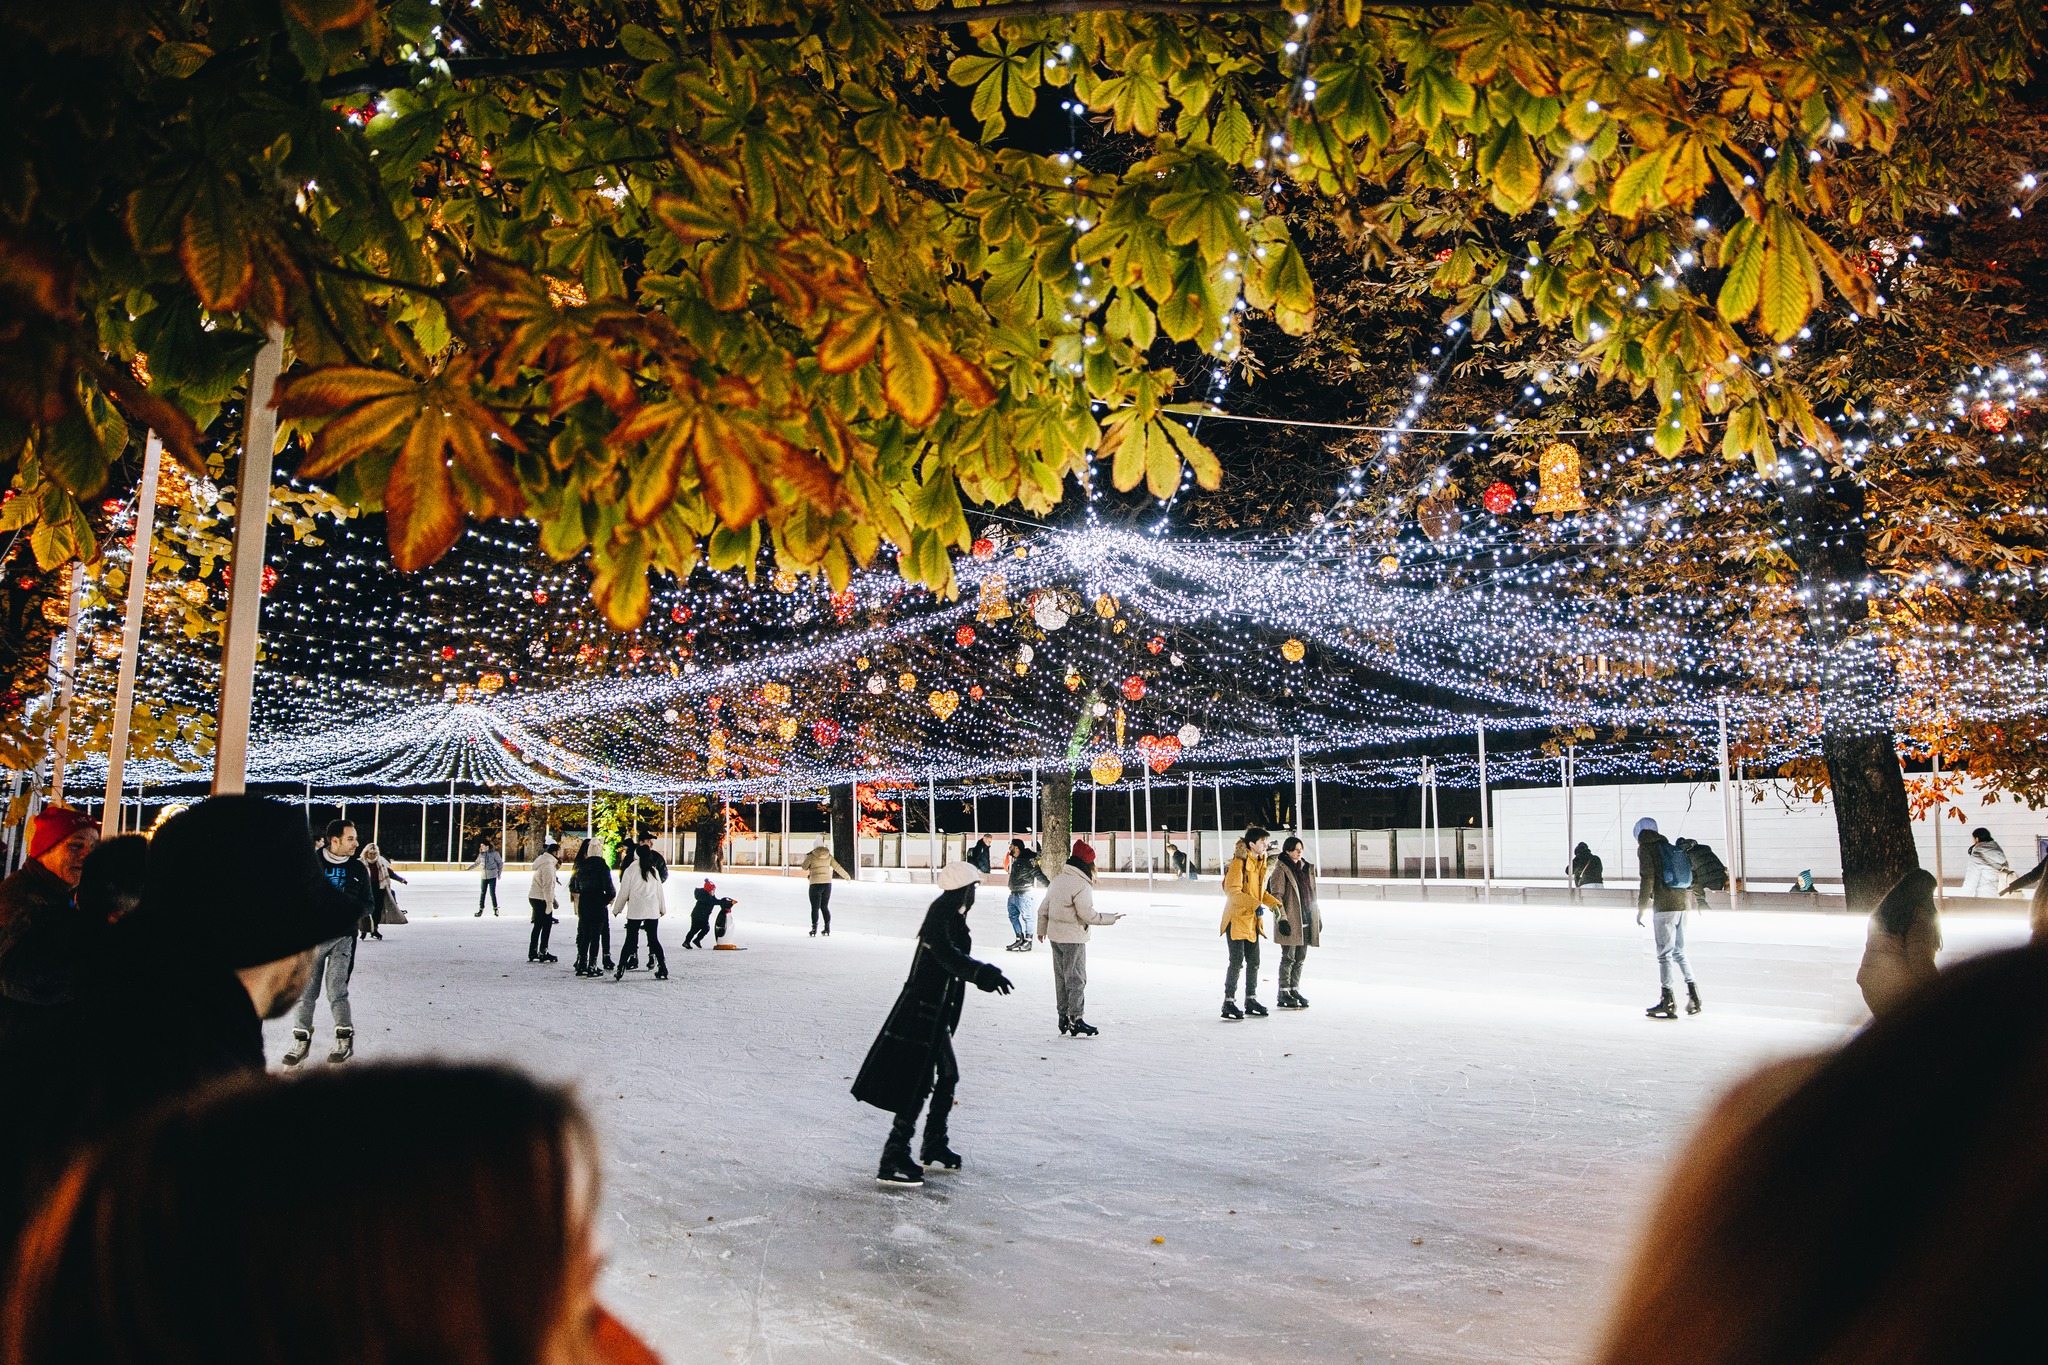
<point>1645,826</point>
<point>953,876</point>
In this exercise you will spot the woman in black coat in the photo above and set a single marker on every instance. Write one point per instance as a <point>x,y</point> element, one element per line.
<point>912,1056</point>
<point>593,888</point>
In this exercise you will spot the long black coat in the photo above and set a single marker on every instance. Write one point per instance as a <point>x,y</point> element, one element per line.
<point>899,1068</point>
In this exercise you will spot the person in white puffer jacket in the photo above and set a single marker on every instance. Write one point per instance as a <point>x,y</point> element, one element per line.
<point>1065,918</point>
<point>643,901</point>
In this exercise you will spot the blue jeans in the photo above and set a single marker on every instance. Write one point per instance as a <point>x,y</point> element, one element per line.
<point>1020,913</point>
<point>1669,928</point>
<point>333,962</point>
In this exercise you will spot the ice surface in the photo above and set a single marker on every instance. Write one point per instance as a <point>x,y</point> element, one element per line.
<point>1445,1159</point>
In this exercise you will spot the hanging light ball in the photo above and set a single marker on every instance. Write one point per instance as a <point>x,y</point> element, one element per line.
<point>537,649</point>
<point>826,732</point>
<point>1498,498</point>
<point>1099,709</point>
<point>964,636</point>
<point>1390,565</point>
<point>907,681</point>
<point>1105,606</point>
<point>540,595</point>
<point>678,614</point>
<point>1189,736</point>
<point>877,684</point>
<point>1134,688</point>
<point>1106,769</point>
<point>1025,654</point>
<point>671,715</point>
<point>984,548</point>
<point>975,692</point>
<point>447,651</point>
<point>1176,658</point>
<point>1047,610</point>
<point>1294,651</point>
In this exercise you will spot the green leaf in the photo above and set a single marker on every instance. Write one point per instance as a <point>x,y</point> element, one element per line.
<point>644,45</point>
<point>1510,163</point>
<point>1790,282</point>
<point>1233,135</point>
<point>1641,185</point>
<point>178,60</point>
<point>1742,256</point>
<point>213,248</point>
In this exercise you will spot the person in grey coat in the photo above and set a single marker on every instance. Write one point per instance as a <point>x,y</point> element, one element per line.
<point>493,865</point>
<point>1298,923</point>
<point>1064,920</point>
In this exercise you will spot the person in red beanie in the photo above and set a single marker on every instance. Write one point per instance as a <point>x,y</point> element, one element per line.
<point>58,841</point>
<point>1065,919</point>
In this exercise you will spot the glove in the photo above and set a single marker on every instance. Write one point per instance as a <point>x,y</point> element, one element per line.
<point>1282,927</point>
<point>991,978</point>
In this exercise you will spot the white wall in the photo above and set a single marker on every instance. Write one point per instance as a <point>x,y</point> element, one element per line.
<point>1780,834</point>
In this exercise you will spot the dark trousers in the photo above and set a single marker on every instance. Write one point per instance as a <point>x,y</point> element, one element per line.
<point>1244,955</point>
<point>635,928</point>
<point>700,925</point>
<point>821,904</point>
<point>938,1107</point>
<point>1291,957</point>
<point>543,922</point>
<point>488,889</point>
<point>590,932</point>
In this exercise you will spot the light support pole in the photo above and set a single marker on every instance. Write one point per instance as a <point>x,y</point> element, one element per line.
<point>131,632</point>
<point>1940,896</point>
<point>1315,811</point>
<point>1222,858</point>
<point>1194,862</point>
<point>67,677</point>
<point>1571,847</point>
<point>1297,784</point>
<point>1485,825</point>
<point>1149,860</point>
<point>453,820</point>
<point>245,593</point>
<point>1034,803</point>
<point>1727,801</point>
<point>931,822</point>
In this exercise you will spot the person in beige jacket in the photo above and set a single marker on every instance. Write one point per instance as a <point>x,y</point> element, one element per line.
<point>1065,918</point>
<point>819,869</point>
<point>1245,901</point>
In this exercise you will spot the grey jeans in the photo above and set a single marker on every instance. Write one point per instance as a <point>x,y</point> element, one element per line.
<point>1290,964</point>
<point>1070,977</point>
<point>1244,955</point>
<point>1669,928</point>
<point>333,960</point>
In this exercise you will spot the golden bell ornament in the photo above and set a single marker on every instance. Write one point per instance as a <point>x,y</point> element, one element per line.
<point>995,601</point>
<point>1557,481</point>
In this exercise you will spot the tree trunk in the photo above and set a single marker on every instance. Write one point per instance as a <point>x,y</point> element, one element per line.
<point>711,839</point>
<point>1873,823</point>
<point>1057,839</point>
<point>846,828</point>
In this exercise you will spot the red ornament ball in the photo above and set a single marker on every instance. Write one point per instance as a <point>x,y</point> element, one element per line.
<point>1155,644</point>
<point>678,614</point>
<point>111,506</point>
<point>975,692</point>
<point>447,651</point>
<point>1498,499</point>
<point>826,733</point>
<point>964,636</point>
<point>1134,688</point>
<point>540,595</point>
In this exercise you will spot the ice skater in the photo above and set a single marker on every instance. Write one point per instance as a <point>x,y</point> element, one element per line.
<point>643,902</point>
<point>820,867</point>
<point>1985,868</point>
<point>912,1057</point>
<point>334,961</point>
<point>1665,878</point>
<point>709,902</point>
<point>1245,899</point>
<point>1064,919</point>
<point>591,887</point>
<point>540,894</point>
<point>492,864</point>
<point>1298,923</point>
<point>1024,869</point>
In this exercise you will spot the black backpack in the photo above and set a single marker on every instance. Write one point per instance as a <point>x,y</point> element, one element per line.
<point>1708,871</point>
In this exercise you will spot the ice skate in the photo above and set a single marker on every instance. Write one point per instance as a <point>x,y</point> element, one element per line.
<point>608,964</point>
<point>344,1044</point>
<point>1082,1028</point>
<point>814,933</point>
<point>898,1169</point>
<point>1066,1025</point>
<point>1665,1008</point>
<point>1017,945</point>
<point>1692,999</point>
<point>661,973</point>
<point>1286,1001</point>
<point>302,1043</point>
<point>938,1154</point>
<point>1300,1000</point>
<point>1254,1008</point>
<point>1231,1011</point>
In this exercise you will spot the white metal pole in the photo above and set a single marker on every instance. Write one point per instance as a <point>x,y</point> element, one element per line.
<point>66,681</point>
<point>931,822</point>
<point>131,632</point>
<point>1571,846</point>
<point>1297,784</point>
<point>1422,818</point>
<point>1315,807</point>
<point>504,821</point>
<point>1436,822</point>
<point>1485,830</point>
<point>423,829</point>
<point>1148,830</point>
<point>1727,802</point>
<point>377,822</point>
<point>1222,858</point>
<point>1940,896</point>
<point>1034,803</point>
<point>453,819</point>
<point>245,593</point>
<point>1194,863</point>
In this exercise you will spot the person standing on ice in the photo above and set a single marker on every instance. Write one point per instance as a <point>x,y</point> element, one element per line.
<point>643,902</point>
<point>1987,868</point>
<point>1245,899</point>
<point>912,1057</point>
<point>708,902</point>
<point>1024,869</point>
<point>591,885</point>
<point>335,960</point>
<point>1586,869</point>
<point>1065,918</point>
<point>1298,923</point>
<point>1665,878</point>
<point>540,894</point>
<point>820,867</point>
<point>979,855</point>
<point>493,865</point>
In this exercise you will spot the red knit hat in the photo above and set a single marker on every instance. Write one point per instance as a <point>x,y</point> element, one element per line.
<point>1083,852</point>
<point>54,826</point>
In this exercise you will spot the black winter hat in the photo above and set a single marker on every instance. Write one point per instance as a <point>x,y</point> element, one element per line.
<point>242,871</point>
<point>1913,893</point>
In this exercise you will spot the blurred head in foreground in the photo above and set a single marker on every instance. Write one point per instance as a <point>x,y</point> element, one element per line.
<point>208,1233</point>
<point>1883,1203</point>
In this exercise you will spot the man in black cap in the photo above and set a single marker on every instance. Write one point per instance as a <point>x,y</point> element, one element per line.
<point>232,909</point>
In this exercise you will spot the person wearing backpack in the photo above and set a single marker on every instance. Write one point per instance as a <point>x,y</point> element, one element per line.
<point>1709,873</point>
<point>1666,876</point>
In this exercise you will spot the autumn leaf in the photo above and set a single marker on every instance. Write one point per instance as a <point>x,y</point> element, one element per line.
<point>726,456</point>
<point>911,380</point>
<point>213,248</point>
<point>421,513</point>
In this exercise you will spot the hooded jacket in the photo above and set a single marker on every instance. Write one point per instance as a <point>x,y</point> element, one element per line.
<point>542,887</point>
<point>1069,907</point>
<point>819,866</point>
<point>1294,884</point>
<point>1651,893</point>
<point>1245,893</point>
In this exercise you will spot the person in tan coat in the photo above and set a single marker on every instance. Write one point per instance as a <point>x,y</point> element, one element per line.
<point>1298,923</point>
<point>819,869</point>
<point>1245,900</point>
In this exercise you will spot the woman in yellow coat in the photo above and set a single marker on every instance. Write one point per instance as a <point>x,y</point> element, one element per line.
<point>1245,899</point>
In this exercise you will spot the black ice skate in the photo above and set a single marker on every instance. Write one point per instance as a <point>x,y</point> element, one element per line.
<point>1692,999</point>
<point>302,1043</point>
<point>937,1153</point>
<point>1286,1001</point>
<point>1231,1011</point>
<point>898,1169</point>
<point>1254,1008</point>
<point>661,973</point>
<point>1665,1008</point>
<point>1066,1025</point>
<point>1081,1028</point>
<point>344,1044</point>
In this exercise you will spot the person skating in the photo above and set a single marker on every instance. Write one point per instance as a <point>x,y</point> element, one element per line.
<point>1665,878</point>
<point>1298,923</point>
<point>1586,869</point>
<point>978,853</point>
<point>708,902</point>
<point>912,1057</point>
<point>1064,920</point>
<point>493,865</point>
<point>591,884</point>
<point>334,962</point>
<point>540,895</point>
<point>820,867</point>
<point>1023,871</point>
<point>1245,901</point>
<point>1986,869</point>
<point>643,902</point>
<point>382,874</point>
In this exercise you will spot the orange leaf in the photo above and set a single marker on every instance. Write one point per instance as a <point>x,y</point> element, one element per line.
<point>321,392</point>
<point>849,343</point>
<point>422,514</point>
<point>584,367</point>
<point>911,382</point>
<point>356,433</point>
<point>964,378</point>
<point>725,466</point>
<point>667,429</point>
<point>491,489</point>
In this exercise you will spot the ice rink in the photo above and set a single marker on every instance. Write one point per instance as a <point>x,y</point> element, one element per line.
<point>1444,1159</point>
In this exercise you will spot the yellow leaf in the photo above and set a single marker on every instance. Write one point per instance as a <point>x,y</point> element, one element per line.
<point>911,382</point>
<point>421,514</point>
<point>731,484</point>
